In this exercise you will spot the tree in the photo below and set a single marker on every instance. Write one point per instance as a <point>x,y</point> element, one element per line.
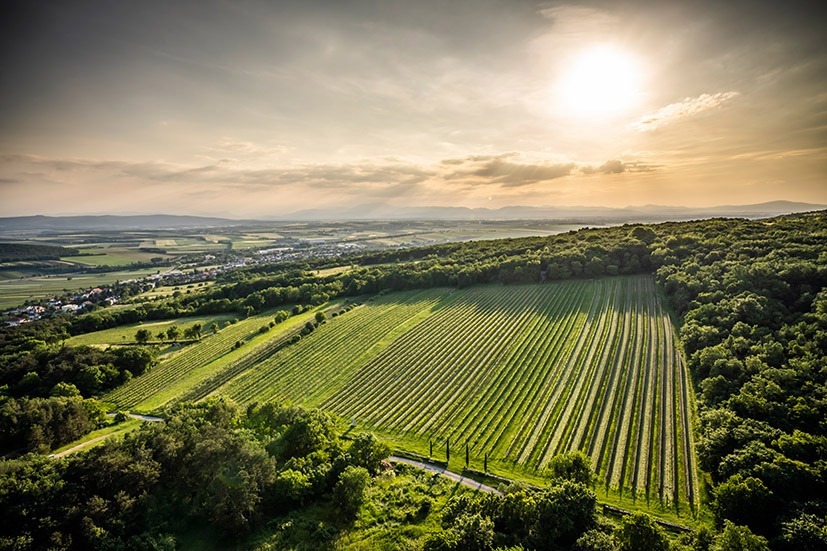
<point>173,333</point>
<point>64,389</point>
<point>349,492</point>
<point>738,538</point>
<point>469,532</point>
<point>806,532</point>
<point>745,500</point>
<point>564,511</point>
<point>193,331</point>
<point>575,466</point>
<point>142,336</point>
<point>639,532</point>
<point>214,328</point>
<point>320,317</point>
<point>595,540</point>
<point>368,452</point>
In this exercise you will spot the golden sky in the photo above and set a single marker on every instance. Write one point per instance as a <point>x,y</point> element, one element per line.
<point>257,109</point>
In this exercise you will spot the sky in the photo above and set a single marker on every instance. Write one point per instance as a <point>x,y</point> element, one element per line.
<point>263,108</point>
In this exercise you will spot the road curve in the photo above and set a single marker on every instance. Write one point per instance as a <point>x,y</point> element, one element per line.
<point>464,480</point>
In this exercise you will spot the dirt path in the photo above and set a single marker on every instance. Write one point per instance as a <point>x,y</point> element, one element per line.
<point>149,418</point>
<point>82,445</point>
<point>465,481</point>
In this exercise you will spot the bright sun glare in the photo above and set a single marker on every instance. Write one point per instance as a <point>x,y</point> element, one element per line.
<point>599,83</point>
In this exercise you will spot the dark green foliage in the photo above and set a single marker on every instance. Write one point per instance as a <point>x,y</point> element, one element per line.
<point>209,465</point>
<point>43,424</point>
<point>738,538</point>
<point>563,512</point>
<point>35,372</point>
<point>806,532</point>
<point>755,334</point>
<point>142,336</point>
<point>640,533</point>
<point>368,451</point>
<point>554,517</point>
<point>472,532</point>
<point>596,540</point>
<point>349,492</point>
<point>13,252</point>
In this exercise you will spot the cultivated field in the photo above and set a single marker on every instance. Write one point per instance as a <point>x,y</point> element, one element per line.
<point>196,364</point>
<point>14,292</point>
<point>519,373</point>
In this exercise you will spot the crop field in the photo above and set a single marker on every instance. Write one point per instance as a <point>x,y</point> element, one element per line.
<point>14,292</point>
<point>518,373</point>
<point>216,355</point>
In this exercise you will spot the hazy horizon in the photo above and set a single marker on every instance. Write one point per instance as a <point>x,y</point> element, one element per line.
<point>260,109</point>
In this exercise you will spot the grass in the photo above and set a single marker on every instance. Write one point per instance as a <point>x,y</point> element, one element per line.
<point>165,291</point>
<point>125,334</point>
<point>196,362</point>
<point>403,508</point>
<point>97,435</point>
<point>336,270</point>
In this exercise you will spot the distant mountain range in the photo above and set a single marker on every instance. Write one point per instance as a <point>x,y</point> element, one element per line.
<point>645,213</point>
<point>381,211</point>
<point>114,223</point>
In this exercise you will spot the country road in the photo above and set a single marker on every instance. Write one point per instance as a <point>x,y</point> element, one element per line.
<point>88,443</point>
<point>465,481</point>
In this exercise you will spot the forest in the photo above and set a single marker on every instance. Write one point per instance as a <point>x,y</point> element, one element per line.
<point>749,297</point>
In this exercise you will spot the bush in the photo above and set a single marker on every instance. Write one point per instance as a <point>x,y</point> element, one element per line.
<point>349,492</point>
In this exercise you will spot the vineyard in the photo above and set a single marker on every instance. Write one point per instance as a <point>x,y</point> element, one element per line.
<point>187,370</point>
<point>517,374</point>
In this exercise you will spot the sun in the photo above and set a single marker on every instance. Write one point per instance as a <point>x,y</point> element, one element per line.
<point>601,82</point>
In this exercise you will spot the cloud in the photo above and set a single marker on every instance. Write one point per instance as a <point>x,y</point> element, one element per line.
<point>496,169</point>
<point>321,176</point>
<point>214,187</point>
<point>688,107</point>
<point>616,166</point>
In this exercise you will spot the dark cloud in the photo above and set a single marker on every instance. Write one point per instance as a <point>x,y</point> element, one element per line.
<point>496,169</point>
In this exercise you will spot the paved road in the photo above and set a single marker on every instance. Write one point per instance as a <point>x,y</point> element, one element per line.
<point>465,481</point>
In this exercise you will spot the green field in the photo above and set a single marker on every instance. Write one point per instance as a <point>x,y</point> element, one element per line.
<point>14,292</point>
<point>126,333</point>
<point>199,363</point>
<point>520,373</point>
